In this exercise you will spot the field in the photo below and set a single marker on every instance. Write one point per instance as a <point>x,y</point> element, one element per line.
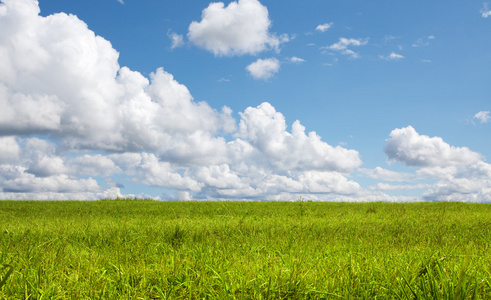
<point>139,249</point>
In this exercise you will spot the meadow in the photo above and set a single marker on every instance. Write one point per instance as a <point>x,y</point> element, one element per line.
<point>142,249</point>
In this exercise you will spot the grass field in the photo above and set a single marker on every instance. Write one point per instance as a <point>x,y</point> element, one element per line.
<point>135,249</point>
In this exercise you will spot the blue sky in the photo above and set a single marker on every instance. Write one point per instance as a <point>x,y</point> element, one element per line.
<point>269,100</point>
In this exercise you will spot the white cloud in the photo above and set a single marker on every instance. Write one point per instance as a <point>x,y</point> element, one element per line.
<point>9,150</point>
<point>297,60</point>
<point>264,68</point>
<point>240,28</point>
<point>401,187</point>
<point>387,175</point>
<point>177,39</point>
<point>485,12</point>
<point>343,44</point>
<point>392,56</point>
<point>68,84</point>
<point>482,116</point>
<point>324,27</point>
<point>265,129</point>
<point>424,41</point>
<point>100,125</point>
<point>412,149</point>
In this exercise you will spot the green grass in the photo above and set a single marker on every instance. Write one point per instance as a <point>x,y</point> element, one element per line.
<point>236,250</point>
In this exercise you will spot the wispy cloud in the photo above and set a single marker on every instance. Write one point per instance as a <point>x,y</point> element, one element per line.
<point>482,116</point>
<point>424,41</point>
<point>177,39</point>
<point>343,44</point>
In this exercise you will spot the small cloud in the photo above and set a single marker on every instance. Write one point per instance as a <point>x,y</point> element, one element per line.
<point>392,56</point>
<point>311,44</point>
<point>425,60</point>
<point>241,27</point>
<point>424,41</point>
<point>482,116</point>
<point>389,38</point>
<point>264,68</point>
<point>344,43</point>
<point>324,27</point>
<point>297,60</point>
<point>177,39</point>
<point>121,1</point>
<point>485,12</point>
<point>223,80</point>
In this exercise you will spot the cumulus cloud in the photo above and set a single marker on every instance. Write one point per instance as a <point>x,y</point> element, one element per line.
<point>265,128</point>
<point>74,124</point>
<point>412,149</point>
<point>343,44</point>
<point>482,116</point>
<point>240,28</point>
<point>445,172</point>
<point>485,12</point>
<point>392,56</point>
<point>99,124</point>
<point>264,68</point>
<point>324,27</point>
<point>9,149</point>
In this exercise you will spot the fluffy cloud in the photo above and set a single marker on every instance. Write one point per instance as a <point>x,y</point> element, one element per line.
<point>264,68</point>
<point>9,150</point>
<point>460,174</point>
<point>485,12</point>
<point>69,85</point>
<point>412,149</point>
<point>74,124</point>
<point>97,121</point>
<point>266,130</point>
<point>482,116</point>
<point>324,27</point>
<point>240,28</point>
<point>343,44</point>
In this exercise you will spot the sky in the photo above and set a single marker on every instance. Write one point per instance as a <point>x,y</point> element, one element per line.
<point>324,100</point>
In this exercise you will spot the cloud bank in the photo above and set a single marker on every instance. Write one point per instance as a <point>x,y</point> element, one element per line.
<point>74,124</point>
<point>74,121</point>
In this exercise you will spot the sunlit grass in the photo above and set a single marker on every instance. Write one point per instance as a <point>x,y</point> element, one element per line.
<point>236,250</point>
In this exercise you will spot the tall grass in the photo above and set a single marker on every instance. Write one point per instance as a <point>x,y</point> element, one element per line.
<point>236,250</point>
